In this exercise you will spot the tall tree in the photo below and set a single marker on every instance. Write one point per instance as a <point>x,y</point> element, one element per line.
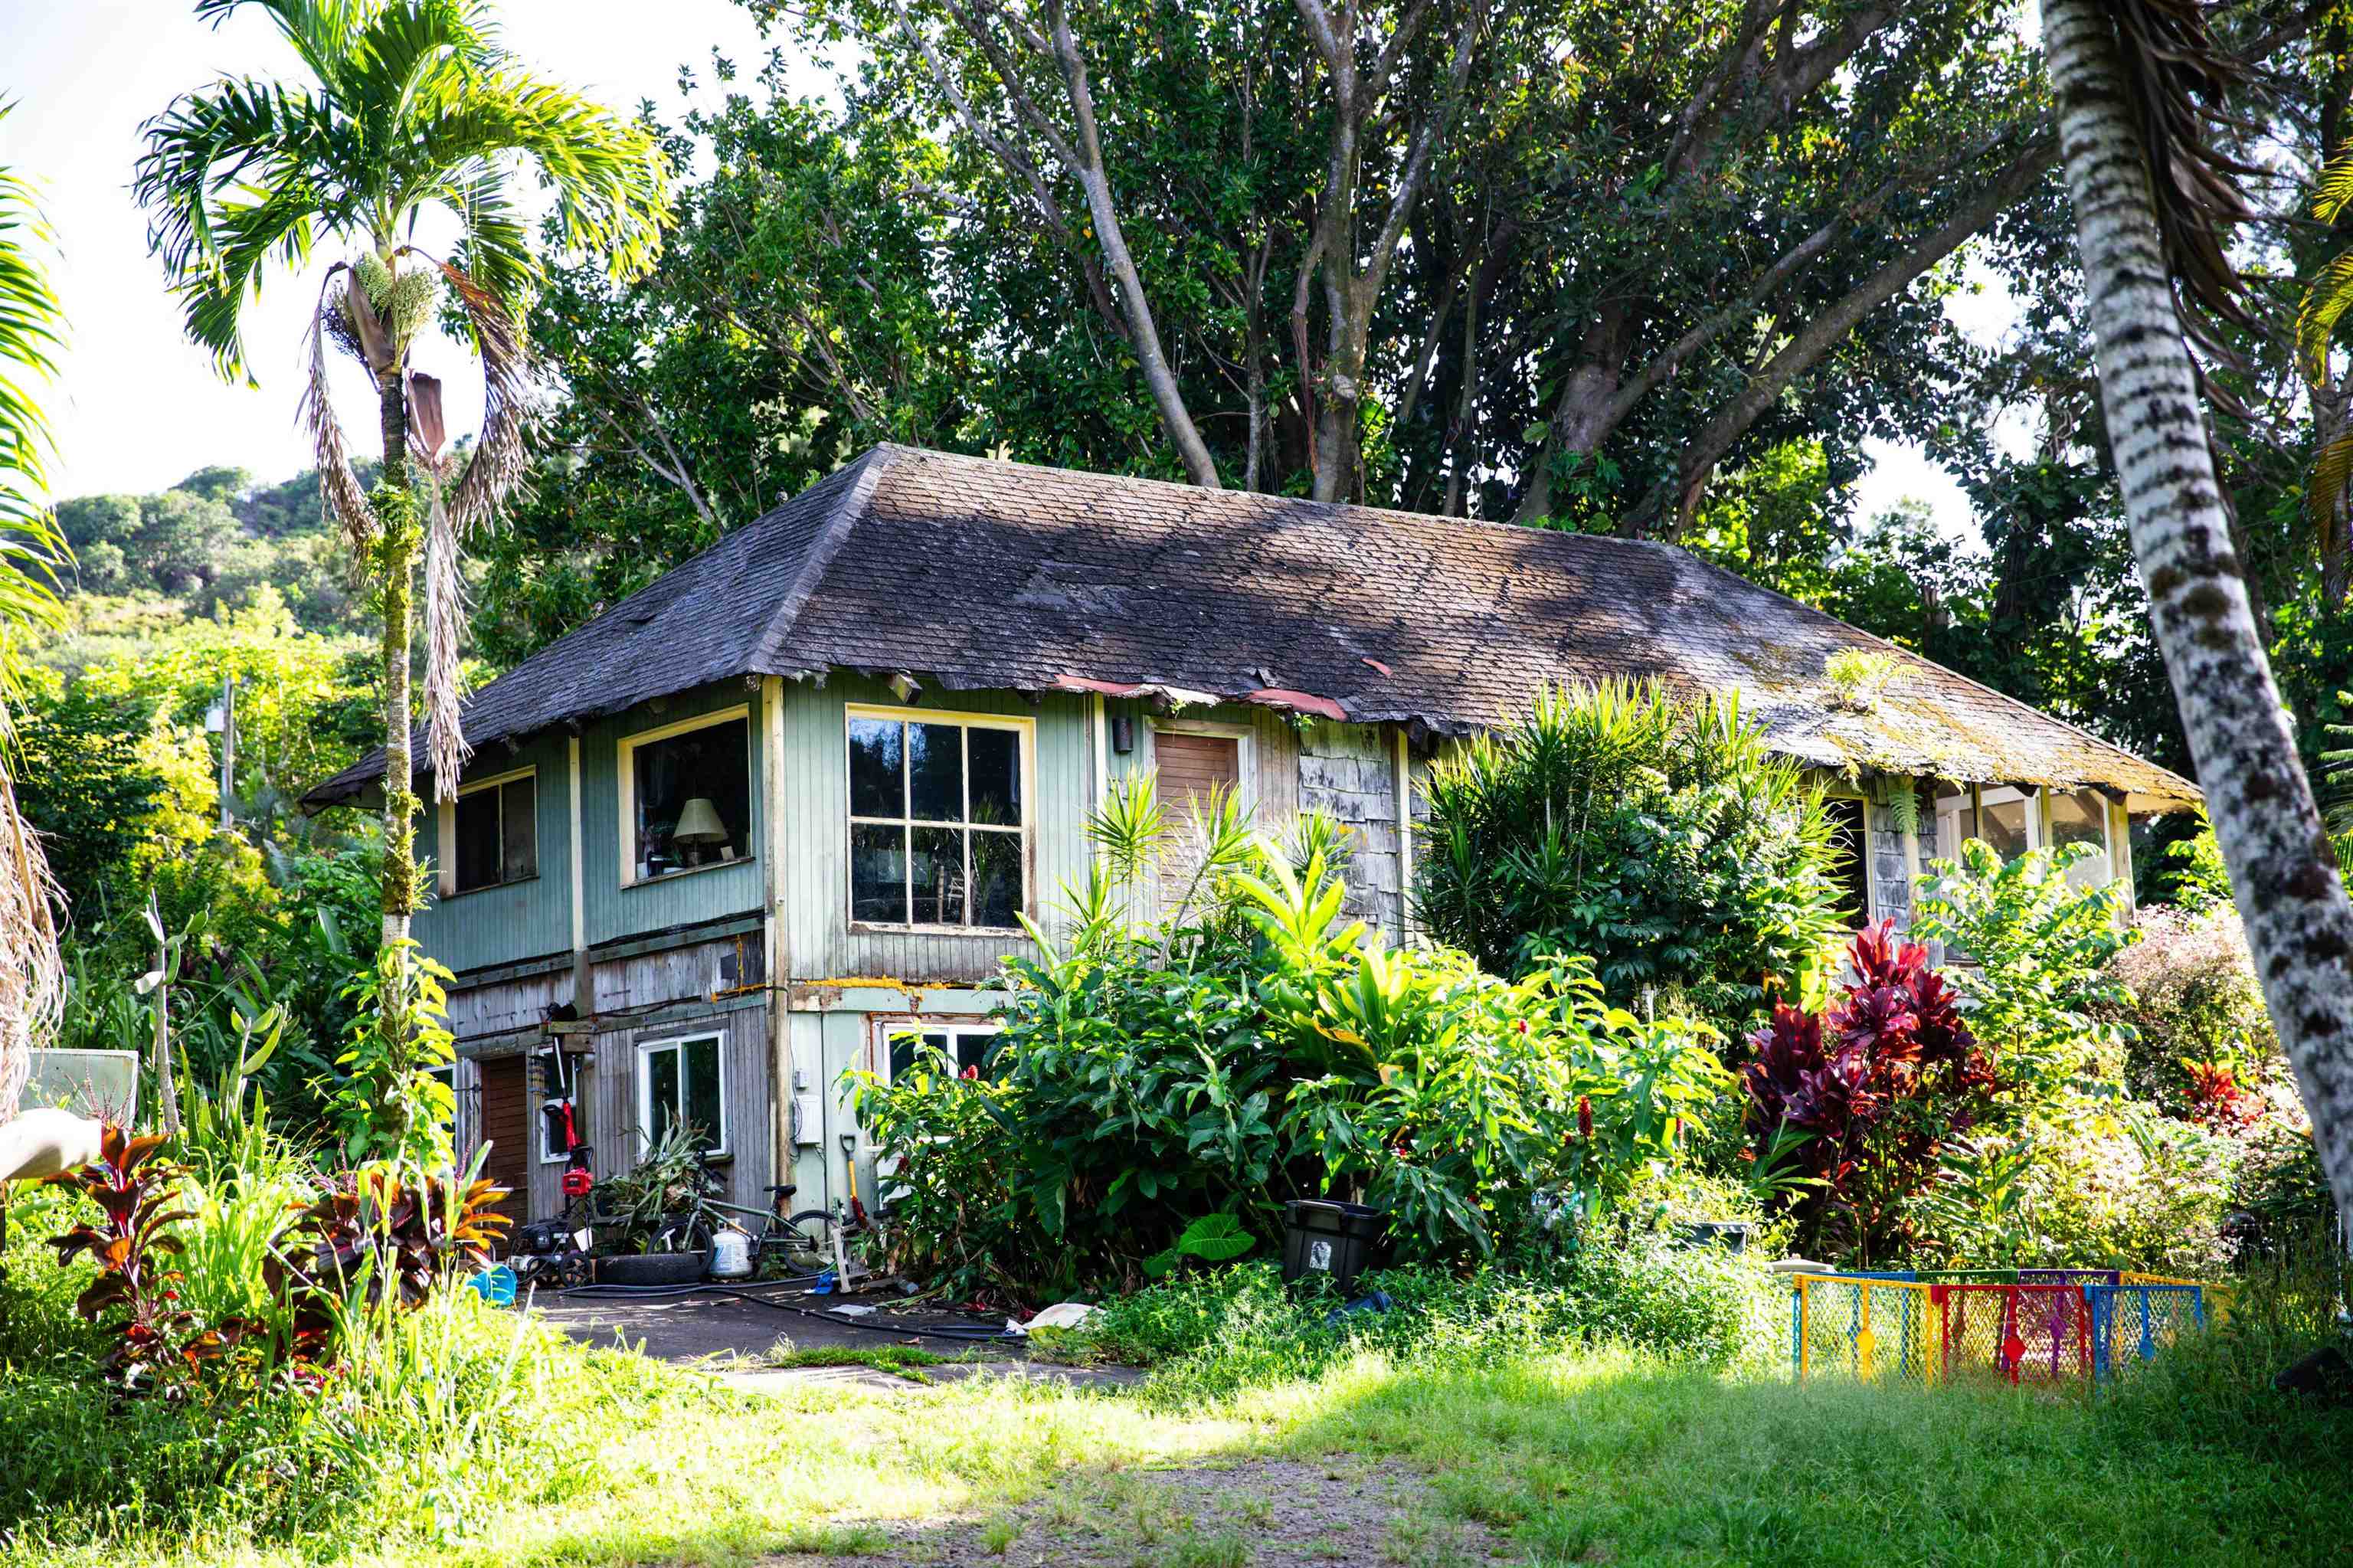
<point>411,106</point>
<point>2134,80</point>
<point>32,979</point>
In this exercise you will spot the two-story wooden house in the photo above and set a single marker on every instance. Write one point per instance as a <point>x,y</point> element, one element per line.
<point>740,830</point>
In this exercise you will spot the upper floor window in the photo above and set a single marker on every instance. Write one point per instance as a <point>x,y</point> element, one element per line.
<point>938,819</point>
<point>686,795</point>
<point>491,833</point>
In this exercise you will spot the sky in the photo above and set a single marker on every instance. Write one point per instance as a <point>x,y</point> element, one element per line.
<point>137,407</point>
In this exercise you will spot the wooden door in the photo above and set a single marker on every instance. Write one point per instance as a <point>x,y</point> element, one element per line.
<point>505,1126</point>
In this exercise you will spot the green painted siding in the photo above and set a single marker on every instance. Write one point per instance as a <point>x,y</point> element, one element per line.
<point>814,899</point>
<point>615,912</point>
<point>520,920</point>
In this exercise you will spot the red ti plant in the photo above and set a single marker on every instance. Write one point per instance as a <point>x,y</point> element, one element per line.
<point>132,1245</point>
<point>373,1225</point>
<point>1868,1094</point>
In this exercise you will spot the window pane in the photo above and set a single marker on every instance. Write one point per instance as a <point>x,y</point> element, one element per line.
<point>1852,846</point>
<point>939,876</point>
<point>972,1052</point>
<point>935,771</point>
<point>2078,819</point>
<point>878,874</point>
<point>519,829</point>
<point>661,1076</point>
<point>996,878</point>
<point>2003,827</point>
<point>996,774</point>
<point>705,1111</point>
<point>905,1044</point>
<point>474,858</point>
<point>875,789</point>
<point>711,766</point>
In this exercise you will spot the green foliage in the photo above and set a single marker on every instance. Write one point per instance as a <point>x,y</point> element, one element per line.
<point>1212,1238</point>
<point>1663,840</point>
<point>388,1105</point>
<point>1254,1046</point>
<point>1210,1335</point>
<point>85,787</point>
<point>2040,993</point>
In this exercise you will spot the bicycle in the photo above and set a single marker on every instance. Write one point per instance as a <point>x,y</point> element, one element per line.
<point>805,1243</point>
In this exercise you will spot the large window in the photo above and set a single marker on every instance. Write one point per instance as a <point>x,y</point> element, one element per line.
<point>686,798</point>
<point>2082,819</point>
<point>683,1080</point>
<point>937,821</point>
<point>491,833</point>
<point>2003,816</point>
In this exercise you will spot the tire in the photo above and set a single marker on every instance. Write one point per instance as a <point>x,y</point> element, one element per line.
<point>653,1269</point>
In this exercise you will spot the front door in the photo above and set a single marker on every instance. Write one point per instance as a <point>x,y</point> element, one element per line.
<point>506,1126</point>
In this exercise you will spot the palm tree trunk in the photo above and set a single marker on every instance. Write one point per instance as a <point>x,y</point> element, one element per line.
<point>2299,924</point>
<point>396,568</point>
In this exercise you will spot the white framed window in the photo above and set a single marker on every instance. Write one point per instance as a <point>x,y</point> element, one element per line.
<point>939,819</point>
<point>965,1042</point>
<point>686,796</point>
<point>489,833</point>
<point>683,1079</point>
<point>550,1103</point>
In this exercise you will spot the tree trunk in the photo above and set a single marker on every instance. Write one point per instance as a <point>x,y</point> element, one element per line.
<point>396,550</point>
<point>2299,924</point>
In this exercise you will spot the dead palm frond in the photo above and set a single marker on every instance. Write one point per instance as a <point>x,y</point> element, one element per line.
<point>32,973</point>
<point>2325,300</point>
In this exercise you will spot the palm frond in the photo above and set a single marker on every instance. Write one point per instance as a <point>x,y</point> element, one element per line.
<point>2325,300</point>
<point>2334,186</point>
<point>2175,76</point>
<point>32,974</point>
<point>610,178</point>
<point>510,404</point>
<point>233,177</point>
<point>445,630</point>
<point>339,483</point>
<point>2324,492</point>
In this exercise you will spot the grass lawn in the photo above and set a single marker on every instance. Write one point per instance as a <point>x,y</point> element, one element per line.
<point>1587,1457</point>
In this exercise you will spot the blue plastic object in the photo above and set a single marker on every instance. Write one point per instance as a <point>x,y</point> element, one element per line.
<point>495,1285</point>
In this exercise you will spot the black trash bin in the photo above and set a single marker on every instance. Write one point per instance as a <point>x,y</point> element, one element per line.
<point>1335,1239</point>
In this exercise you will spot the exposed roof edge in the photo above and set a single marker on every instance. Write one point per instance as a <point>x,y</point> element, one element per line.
<point>1823,752</point>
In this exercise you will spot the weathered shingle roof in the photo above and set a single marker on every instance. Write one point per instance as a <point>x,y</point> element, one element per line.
<point>968,573</point>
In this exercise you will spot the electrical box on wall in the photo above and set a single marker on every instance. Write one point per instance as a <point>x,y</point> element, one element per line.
<point>809,1119</point>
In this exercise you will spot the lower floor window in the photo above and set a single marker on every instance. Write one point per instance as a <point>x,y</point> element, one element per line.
<point>683,1081</point>
<point>966,1045</point>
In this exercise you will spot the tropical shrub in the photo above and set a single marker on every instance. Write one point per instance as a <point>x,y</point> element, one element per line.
<point>2202,1036</point>
<point>2037,984</point>
<point>1252,1048</point>
<point>1858,1104</point>
<point>1662,839</point>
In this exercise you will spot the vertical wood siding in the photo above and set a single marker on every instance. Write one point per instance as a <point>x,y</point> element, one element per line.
<point>615,912</point>
<point>520,920</point>
<point>813,795</point>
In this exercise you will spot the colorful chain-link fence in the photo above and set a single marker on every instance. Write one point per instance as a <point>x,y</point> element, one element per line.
<point>2048,1328</point>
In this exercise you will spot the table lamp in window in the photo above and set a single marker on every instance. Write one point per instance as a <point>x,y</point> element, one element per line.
<point>698,825</point>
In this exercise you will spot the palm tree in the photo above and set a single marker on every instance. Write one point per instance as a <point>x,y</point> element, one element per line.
<point>412,106</point>
<point>32,979</point>
<point>2131,78</point>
